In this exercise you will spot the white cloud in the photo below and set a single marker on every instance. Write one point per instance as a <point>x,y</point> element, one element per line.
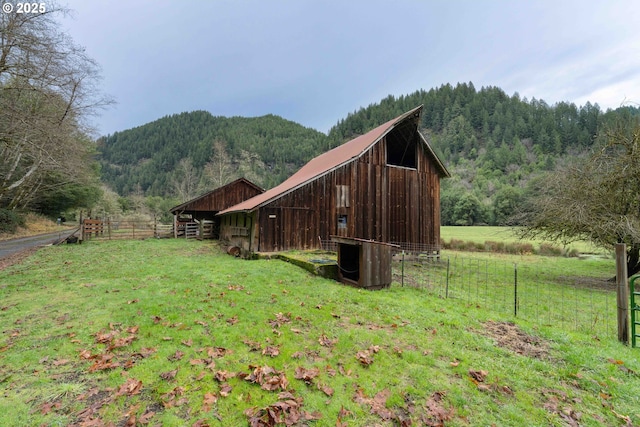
<point>313,62</point>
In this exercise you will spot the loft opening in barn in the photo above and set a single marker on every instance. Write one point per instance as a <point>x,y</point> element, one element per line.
<point>383,186</point>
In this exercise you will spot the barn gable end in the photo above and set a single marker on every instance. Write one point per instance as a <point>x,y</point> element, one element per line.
<point>383,186</point>
<point>206,206</point>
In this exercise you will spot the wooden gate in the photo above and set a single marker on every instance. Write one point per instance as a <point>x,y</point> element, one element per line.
<point>91,228</point>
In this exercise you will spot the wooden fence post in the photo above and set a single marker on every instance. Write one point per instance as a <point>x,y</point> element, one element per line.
<point>623,293</point>
<point>81,227</point>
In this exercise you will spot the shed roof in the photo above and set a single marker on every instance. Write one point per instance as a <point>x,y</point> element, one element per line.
<point>190,203</point>
<point>331,160</point>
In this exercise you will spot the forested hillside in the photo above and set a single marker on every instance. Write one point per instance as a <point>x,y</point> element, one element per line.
<point>155,159</point>
<point>494,145</point>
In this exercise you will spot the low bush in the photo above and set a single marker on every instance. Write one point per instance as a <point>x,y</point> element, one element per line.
<point>491,246</point>
<point>10,221</point>
<point>513,248</point>
<point>549,250</point>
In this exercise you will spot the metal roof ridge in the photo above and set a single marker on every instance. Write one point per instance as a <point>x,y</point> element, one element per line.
<point>382,129</point>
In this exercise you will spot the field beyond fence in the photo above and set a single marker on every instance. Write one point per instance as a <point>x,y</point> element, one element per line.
<point>570,294</point>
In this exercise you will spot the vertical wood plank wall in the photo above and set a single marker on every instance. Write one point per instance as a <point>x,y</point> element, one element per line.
<point>227,196</point>
<point>387,203</point>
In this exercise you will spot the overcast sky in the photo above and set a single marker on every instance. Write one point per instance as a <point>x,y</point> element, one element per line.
<point>314,61</point>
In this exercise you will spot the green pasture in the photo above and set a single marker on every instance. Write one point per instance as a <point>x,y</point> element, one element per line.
<point>482,234</point>
<point>175,332</point>
<point>572,293</point>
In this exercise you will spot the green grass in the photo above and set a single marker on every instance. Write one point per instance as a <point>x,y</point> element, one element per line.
<point>158,306</point>
<point>505,235</point>
<point>568,293</point>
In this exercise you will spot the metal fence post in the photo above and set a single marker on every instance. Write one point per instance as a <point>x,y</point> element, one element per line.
<point>446,295</point>
<point>515,290</point>
<point>403,268</point>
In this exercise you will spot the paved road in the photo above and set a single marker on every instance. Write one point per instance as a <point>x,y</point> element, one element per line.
<point>10,247</point>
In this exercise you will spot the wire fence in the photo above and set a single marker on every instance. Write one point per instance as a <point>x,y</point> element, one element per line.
<point>547,296</point>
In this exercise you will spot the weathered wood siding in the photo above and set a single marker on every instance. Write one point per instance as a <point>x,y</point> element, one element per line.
<point>237,229</point>
<point>221,198</point>
<point>374,263</point>
<point>385,203</point>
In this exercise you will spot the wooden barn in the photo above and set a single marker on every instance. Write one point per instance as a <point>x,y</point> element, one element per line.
<point>383,186</point>
<point>206,206</point>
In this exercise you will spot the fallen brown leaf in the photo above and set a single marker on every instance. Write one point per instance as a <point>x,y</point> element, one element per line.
<point>325,341</point>
<point>271,351</point>
<point>253,345</point>
<point>478,376</point>
<point>217,352</point>
<point>280,320</point>
<point>130,388</point>
<point>364,357</point>
<point>225,390</point>
<point>209,400</point>
<point>176,356</point>
<point>325,389</point>
<point>169,375</point>
<point>306,375</point>
<point>146,417</point>
<point>267,377</point>
<point>436,414</point>
<point>378,403</point>
<point>223,376</point>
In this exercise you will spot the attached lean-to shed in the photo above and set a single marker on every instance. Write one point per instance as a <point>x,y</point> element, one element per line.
<point>206,206</point>
<point>383,186</point>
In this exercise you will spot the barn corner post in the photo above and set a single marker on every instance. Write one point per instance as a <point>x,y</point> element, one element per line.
<point>622,293</point>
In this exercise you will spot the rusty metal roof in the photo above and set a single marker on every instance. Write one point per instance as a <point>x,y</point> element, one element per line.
<point>329,161</point>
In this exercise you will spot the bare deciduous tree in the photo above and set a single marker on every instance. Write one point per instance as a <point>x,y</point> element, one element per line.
<point>48,88</point>
<point>219,170</point>
<point>596,198</point>
<point>185,180</point>
<point>249,164</point>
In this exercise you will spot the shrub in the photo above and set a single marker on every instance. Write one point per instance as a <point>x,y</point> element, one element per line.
<point>549,250</point>
<point>519,248</point>
<point>572,253</point>
<point>10,221</point>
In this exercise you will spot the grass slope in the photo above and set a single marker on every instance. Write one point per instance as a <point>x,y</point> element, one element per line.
<point>174,332</point>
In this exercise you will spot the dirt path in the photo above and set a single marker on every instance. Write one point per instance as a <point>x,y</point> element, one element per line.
<point>14,250</point>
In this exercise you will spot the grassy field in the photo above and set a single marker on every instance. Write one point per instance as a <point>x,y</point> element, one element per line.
<point>570,293</point>
<point>481,234</point>
<point>175,332</point>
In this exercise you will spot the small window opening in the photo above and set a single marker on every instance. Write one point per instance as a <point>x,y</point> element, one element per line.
<point>342,222</point>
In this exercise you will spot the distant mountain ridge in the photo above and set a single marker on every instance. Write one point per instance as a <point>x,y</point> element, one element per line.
<point>144,158</point>
<point>493,143</point>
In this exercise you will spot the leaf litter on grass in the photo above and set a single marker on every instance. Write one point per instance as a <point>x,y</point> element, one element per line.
<point>222,389</point>
<point>510,336</point>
